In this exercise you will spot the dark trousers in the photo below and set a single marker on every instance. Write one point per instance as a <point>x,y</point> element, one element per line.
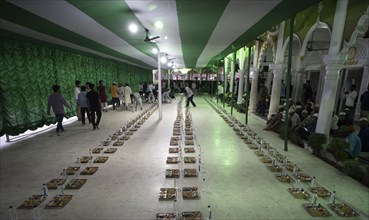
<point>98,114</point>
<point>189,99</point>
<point>115,100</point>
<point>59,125</point>
<point>261,107</point>
<point>83,112</point>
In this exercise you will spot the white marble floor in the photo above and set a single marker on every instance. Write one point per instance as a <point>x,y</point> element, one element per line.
<point>232,179</point>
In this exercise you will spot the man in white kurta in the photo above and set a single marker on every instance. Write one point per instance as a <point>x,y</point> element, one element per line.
<point>127,95</point>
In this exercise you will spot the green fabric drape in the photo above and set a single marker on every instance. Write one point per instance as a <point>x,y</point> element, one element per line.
<point>28,72</point>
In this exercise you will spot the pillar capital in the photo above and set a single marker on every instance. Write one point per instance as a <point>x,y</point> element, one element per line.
<point>278,69</point>
<point>333,65</point>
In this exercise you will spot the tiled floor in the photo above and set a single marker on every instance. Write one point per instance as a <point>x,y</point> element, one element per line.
<point>232,179</point>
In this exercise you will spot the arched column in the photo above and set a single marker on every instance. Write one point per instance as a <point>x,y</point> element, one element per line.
<point>333,66</point>
<point>254,89</point>
<point>278,70</point>
<point>240,86</point>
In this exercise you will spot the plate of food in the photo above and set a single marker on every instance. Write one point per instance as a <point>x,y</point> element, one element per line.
<point>193,215</point>
<point>190,193</point>
<point>321,191</point>
<point>189,137</point>
<point>299,193</point>
<point>89,171</point>
<point>189,150</point>
<point>85,159</point>
<point>166,216</point>
<point>175,138</point>
<point>172,159</point>
<point>304,177</point>
<point>111,150</point>
<point>274,168</point>
<point>54,183</point>
<point>72,170</point>
<point>97,150</point>
<point>343,210</point>
<point>113,137</point>
<point>190,159</point>
<point>118,143</point>
<point>259,153</point>
<point>105,143</point>
<point>32,202</point>
<point>167,193</point>
<point>265,159</point>
<point>189,142</point>
<point>316,210</point>
<point>75,183</point>
<point>172,173</point>
<point>173,150</point>
<point>174,143</point>
<point>59,201</point>
<point>284,178</point>
<point>190,173</point>
<point>101,159</point>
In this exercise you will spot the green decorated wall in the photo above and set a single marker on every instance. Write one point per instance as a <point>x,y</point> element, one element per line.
<point>28,71</point>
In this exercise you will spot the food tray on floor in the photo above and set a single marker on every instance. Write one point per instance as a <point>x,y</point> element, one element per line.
<point>177,133</point>
<point>190,173</point>
<point>321,191</point>
<point>175,138</point>
<point>189,142</point>
<point>190,159</point>
<point>130,132</point>
<point>174,143</point>
<point>172,159</point>
<point>124,138</point>
<point>97,150</point>
<point>75,183</point>
<point>290,167</point>
<point>190,193</point>
<point>101,159</point>
<point>105,143</point>
<point>284,178</point>
<point>111,150</point>
<point>196,215</point>
<point>316,211</point>
<point>118,143</point>
<point>172,173</point>
<point>173,150</point>
<point>89,171</point>
<point>299,193</point>
<point>167,193</point>
<point>72,170</point>
<point>248,141</point>
<point>189,133</point>
<point>343,210</point>
<point>59,201</point>
<point>32,202</point>
<point>274,168</point>
<point>166,216</point>
<point>113,137</point>
<point>259,153</point>
<point>189,150</point>
<point>304,177</point>
<point>54,183</point>
<point>265,159</point>
<point>85,159</point>
<point>188,137</point>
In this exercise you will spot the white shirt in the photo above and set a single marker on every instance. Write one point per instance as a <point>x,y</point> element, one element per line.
<point>220,89</point>
<point>150,87</point>
<point>189,91</point>
<point>76,92</point>
<point>350,99</point>
<point>334,122</point>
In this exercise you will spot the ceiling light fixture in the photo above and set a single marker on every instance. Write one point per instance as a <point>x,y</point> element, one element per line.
<point>166,37</point>
<point>159,24</point>
<point>133,28</point>
<point>163,60</point>
<point>155,50</point>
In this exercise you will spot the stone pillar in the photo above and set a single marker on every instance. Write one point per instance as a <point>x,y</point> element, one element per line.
<point>254,89</point>
<point>268,82</point>
<point>278,70</point>
<point>297,89</point>
<point>320,85</point>
<point>240,86</point>
<point>333,64</point>
<point>363,88</point>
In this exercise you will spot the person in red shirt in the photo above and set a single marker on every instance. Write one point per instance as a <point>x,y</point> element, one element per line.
<point>102,95</point>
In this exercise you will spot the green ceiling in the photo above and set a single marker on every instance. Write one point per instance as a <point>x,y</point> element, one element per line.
<point>197,24</point>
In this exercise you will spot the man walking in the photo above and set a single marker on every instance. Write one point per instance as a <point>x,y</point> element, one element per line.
<point>57,101</point>
<point>76,92</point>
<point>95,106</point>
<point>364,99</point>
<point>114,94</point>
<point>82,101</point>
<point>189,94</point>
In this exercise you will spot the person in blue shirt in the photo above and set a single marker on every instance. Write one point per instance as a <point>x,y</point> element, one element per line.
<point>354,141</point>
<point>364,134</point>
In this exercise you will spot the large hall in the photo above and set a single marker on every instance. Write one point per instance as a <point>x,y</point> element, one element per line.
<point>184,109</point>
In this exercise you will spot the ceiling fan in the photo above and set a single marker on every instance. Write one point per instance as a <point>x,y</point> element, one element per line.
<point>148,39</point>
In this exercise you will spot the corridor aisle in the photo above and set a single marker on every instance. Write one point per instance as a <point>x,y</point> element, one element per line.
<point>239,186</point>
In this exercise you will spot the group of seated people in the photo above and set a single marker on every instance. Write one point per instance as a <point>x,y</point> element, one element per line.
<point>302,122</point>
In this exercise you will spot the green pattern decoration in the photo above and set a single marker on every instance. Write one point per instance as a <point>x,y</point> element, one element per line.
<point>29,70</point>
